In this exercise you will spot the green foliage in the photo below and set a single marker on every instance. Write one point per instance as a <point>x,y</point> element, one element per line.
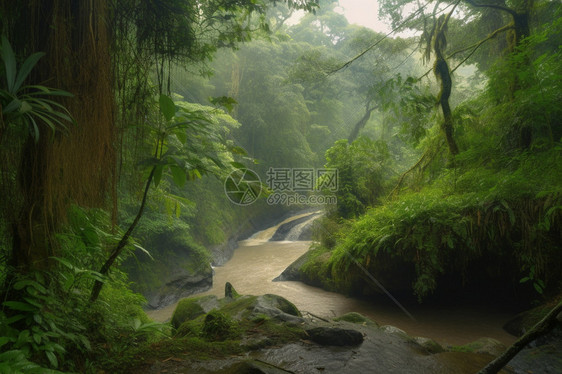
<point>526,86</point>
<point>46,331</point>
<point>362,170</point>
<point>411,105</point>
<point>461,218</point>
<point>29,106</point>
<point>47,322</point>
<point>187,309</point>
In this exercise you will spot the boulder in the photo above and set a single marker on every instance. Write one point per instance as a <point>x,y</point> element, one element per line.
<point>276,307</point>
<point>218,326</point>
<point>430,345</point>
<point>394,330</point>
<point>191,308</point>
<point>229,291</point>
<point>327,335</point>
<point>484,345</point>
<point>358,318</point>
<point>253,367</point>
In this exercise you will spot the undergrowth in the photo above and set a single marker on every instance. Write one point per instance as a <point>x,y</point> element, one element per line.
<point>47,323</point>
<point>465,216</point>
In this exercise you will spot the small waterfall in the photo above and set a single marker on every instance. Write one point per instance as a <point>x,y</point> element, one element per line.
<point>295,233</point>
<point>265,235</point>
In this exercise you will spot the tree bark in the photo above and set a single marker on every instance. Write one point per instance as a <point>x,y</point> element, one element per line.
<point>441,70</point>
<point>360,124</point>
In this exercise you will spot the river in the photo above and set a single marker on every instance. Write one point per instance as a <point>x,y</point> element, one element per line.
<point>257,261</point>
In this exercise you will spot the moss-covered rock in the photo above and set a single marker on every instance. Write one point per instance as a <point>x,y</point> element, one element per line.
<point>524,321</point>
<point>190,328</point>
<point>229,291</point>
<point>336,336</point>
<point>482,345</point>
<point>280,303</point>
<point>180,266</point>
<point>313,268</point>
<point>219,326</point>
<point>191,308</point>
<point>429,345</point>
<point>358,318</point>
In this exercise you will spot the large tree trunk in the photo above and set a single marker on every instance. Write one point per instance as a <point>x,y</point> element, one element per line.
<point>76,167</point>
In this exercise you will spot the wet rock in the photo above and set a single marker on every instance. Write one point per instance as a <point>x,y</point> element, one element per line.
<point>280,303</point>
<point>326,335</point>
<point>317,273</point>
<point>394,330</point>
<point>488,345</point>
<point>191,308</point>
<point>262,341</point>
<point>252,367</point>
<point>292,272</point>
<point>229,291</point>
<point>541,356</point>
<point>180,283</point>
<point>430,345</point>
<point>380,352</point>
<point>277,307</point>
<point>358,318</point>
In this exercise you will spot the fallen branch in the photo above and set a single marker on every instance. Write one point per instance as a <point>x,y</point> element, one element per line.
<point>541,328</point>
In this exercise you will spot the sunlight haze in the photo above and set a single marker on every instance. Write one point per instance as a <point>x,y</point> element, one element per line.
<point>364,13</point>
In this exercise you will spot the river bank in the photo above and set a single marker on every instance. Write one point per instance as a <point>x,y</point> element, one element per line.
<point>257,262</point>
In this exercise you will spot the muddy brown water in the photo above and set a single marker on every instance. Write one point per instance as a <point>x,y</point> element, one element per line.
<point>256,262</point>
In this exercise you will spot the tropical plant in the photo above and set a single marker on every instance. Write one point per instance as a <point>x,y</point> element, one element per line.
<point>30,105</point>
<point>186,147</point>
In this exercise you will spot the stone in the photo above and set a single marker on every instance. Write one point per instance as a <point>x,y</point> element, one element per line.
<point>192,307</point>
<point>253,367</point>
<point>280,303</point>
<point>358,318</point>
<point>430,345</point>
<point>229,291</point>
<point>393,330</point>
<point>485,345</point>
<point>337,336</point>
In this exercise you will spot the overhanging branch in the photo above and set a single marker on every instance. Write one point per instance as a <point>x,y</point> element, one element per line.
<point>493,6</point>
<point>478,44</point>
<point>474,47</point>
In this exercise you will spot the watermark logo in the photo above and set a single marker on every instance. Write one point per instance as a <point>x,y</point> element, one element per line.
<point>302,179</point>
<point>288,186</point>
<point>242,186</point>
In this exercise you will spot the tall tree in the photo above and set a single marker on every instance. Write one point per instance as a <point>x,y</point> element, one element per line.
<point>82,41</point>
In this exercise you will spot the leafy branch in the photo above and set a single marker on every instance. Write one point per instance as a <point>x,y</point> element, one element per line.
<point>169,155</point>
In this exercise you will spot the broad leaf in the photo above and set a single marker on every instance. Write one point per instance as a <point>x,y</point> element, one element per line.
<point>157,174</point>
<point>179,175</point>
<point>26,68</point>
<point>9,63</point>
<point>167,107</point>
